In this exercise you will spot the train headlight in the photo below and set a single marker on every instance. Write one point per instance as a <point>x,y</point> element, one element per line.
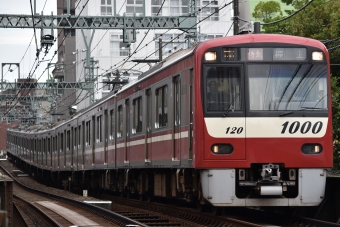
<point>210,56</point>
<point>222,149</point>
<point>311,148</point>
<point>317,56</point>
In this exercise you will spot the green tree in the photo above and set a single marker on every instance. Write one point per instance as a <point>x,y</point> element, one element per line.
<point>266,11</point>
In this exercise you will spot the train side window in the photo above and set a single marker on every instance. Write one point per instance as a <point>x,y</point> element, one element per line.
<point>61,142</point>
<point>68,140</point>
<point>137,116</point>
<point>112,124</point>
<point>99,129</point>
<point>75,137</point>
<point>120,122</point>
<point>88,133</point>
<point>161,107</point>
<point>48,145</point>
<point>79,136</point>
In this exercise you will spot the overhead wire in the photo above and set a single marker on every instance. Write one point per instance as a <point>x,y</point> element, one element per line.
<point>55,52</point>
<point>35,35</point>
<point>88,95</point>
<point>184,32</point>
<point>107,29</point>
<point>139,43</point>
<point>289,16</point>
<point>136,51</point>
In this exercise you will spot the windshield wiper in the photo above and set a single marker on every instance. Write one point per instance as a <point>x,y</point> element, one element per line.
<point>302,108</point>
<point>229,107</point>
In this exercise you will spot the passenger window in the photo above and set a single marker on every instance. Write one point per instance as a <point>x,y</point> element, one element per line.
<point>99,129</point>
<point>88,133</point>
<point>161,107</point>
<point>137,115</point>
<point>112,124</point>
<point>120,122</point>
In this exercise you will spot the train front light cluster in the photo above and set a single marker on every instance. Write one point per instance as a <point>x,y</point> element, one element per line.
<point>210,56</point>
<point>222,149</point>
<point>311,148</point>
<point>317,56</point>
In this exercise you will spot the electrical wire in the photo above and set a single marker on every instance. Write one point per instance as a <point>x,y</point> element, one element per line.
<point>283,19</point>
<point>29,77</point>
<point>35,35</point>
<point>184,32</point>
<point>136,51</point>
<point>89,94</point>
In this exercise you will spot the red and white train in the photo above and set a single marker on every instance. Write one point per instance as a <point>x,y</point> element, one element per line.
<point>235,121</point>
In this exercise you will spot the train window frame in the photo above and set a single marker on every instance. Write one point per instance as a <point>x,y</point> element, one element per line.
<point>99,129</point>
<point>239,96</point>
<point>311,109</point>
<point>75,138</point>
<point>137,118</point>
<point>120,121</point>
<point>112,124</point>
<point>79,136</point>
<point>61,148</point>
<point>161,105</point>
<point>68,140</point>
<point>88,133</point>
<point>48,145</point>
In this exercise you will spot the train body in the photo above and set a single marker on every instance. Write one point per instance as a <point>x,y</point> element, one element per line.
<point>234,121</point>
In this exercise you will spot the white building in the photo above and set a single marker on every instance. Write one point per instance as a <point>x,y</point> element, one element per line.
<point>109,50</point>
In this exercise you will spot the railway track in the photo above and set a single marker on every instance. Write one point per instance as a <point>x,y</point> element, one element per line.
<point>178,212</point>
<point>41,207</point>
<point>144,213</point>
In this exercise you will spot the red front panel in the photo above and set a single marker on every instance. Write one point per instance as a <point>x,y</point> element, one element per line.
<point>262,139</point>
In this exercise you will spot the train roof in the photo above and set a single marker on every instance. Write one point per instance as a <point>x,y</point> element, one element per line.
<point>261,38</point>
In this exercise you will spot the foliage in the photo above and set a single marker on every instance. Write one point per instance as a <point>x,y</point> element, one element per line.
<point>336,120</point>
<point>267,10</point>
<point>319,20</point>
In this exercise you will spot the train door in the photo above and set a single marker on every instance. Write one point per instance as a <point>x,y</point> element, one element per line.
<point>148,132</point>
<point>191,115</point>
<point>93,140</point>
<point>106,136</point>
<point>177,120</point>
<point>83,144</point>
<point>127,130</point>
<point>75,148</point>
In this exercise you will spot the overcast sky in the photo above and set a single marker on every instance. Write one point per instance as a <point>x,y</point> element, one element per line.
<point>15,41</point>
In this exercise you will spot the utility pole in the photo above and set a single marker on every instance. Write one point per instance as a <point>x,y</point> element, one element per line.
<point>236,15</point>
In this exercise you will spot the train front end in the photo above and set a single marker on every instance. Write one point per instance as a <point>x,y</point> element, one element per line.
<point>262,127</point>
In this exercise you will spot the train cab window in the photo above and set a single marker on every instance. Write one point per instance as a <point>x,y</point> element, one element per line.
<point>162,107</point>
<point>99,129</point>
<point>88,133</point>
<point>275,87</point>
<point>222,88</point>
<point>137,115</point>
<point>120,122</point>
<point>112,124</point>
